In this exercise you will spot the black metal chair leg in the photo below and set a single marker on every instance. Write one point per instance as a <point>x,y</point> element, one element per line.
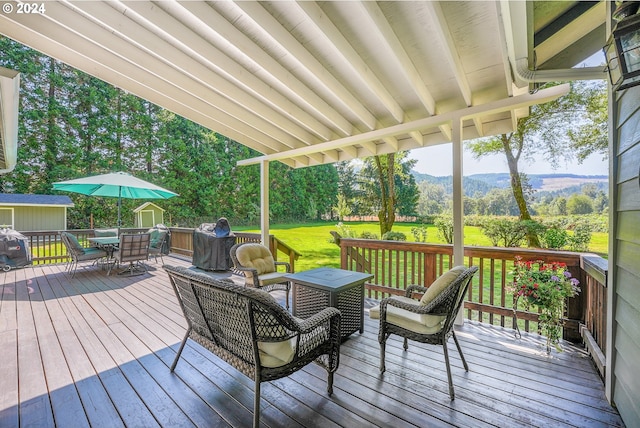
<point>184,341</point>
<point>446,360</point>
<point>464,362</point>
<point>256,406</point>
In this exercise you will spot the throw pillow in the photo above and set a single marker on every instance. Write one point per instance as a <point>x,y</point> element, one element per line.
<point>441,283</point>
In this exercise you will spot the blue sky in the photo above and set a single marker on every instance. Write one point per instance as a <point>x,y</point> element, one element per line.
<point>437,160</point>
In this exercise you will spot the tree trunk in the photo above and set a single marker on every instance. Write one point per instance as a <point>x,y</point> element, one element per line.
<point>386,215</point>
<point>518,193</point>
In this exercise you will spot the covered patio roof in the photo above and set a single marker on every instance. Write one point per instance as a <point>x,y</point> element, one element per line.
<point>309,83</point>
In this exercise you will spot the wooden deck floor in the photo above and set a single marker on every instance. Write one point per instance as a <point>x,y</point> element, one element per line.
<point>94,351</point>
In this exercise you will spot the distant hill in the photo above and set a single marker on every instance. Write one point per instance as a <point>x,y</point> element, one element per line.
<point>482,183</point>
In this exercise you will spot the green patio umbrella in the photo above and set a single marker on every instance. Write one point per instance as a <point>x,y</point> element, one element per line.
<point>115,185</point>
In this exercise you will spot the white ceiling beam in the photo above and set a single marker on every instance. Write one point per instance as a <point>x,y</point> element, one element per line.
<point>222,33</point>
<point>271,29</point>
<point>453,58</point>
<point>372,10</point>
<point>391,141</point>
<point>350,151</point>
<point>450,50</point>
<point>343,49</point>
<point>504,51</point>
<point>371,147</point>
<point>505,104</point>
<point>143,45</point>
<point>331,155</point>
<point>417,137</point>
<point>73,51</point>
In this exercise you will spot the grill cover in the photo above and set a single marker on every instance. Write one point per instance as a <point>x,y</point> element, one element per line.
<point>14,249</point>
<point>211,245</point>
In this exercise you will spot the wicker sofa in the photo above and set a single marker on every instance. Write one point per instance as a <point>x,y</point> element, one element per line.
<point>248,329</point>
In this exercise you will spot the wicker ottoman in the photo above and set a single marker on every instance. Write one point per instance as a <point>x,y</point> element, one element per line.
<point>316,289</point>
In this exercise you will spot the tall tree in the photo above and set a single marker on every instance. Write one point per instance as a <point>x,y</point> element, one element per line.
<point>550,130</point>
<point>380,179</point>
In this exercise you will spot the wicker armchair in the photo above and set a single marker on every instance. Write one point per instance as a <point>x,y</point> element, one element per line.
<point>78,253</point>
<point>256,263</point>
<point>248,329</point>
<point>429,320</point>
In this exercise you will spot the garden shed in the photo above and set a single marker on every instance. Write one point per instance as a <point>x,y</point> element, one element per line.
<point>148,215</point>
<point>25,212</point>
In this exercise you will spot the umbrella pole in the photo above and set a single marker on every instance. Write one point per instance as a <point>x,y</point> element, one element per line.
<point>119,205</point>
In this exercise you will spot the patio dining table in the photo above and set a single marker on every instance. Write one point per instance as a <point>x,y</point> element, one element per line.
<point>106,243</point>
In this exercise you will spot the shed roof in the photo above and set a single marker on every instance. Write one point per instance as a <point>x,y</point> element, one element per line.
<point>146,205</point>
<point>39,200</point>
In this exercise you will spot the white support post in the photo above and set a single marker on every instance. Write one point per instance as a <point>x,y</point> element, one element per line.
<point>458,201</point>
<point>264,202</point>
<point>458,197</point>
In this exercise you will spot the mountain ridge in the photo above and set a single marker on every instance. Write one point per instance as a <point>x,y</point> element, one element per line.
<point>542,182</point>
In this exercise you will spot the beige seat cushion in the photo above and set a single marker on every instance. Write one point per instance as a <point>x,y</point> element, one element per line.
<point>419,323</point>
<point>256,256</point>
<point>271,278</point>
<point>441,283</point>
<point>276,354</point>
<point>374,313</point>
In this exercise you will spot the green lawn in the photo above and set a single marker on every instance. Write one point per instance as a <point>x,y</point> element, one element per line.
<point>312,240</point>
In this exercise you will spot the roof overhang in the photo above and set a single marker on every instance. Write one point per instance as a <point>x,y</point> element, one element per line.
<point>310,83</point>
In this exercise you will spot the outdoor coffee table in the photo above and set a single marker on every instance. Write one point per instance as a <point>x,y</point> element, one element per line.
<point>316,289</point>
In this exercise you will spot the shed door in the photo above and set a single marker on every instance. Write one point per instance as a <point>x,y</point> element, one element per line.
<point>147,218</point>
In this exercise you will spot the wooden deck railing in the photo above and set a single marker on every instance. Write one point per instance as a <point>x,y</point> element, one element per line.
<point>395,265</point>
<point>46,246</point>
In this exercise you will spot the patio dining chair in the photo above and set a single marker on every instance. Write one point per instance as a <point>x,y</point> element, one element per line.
<point>133,249</point>
<point>77,253</point>
<point>256,263</point>
<point>430,319</point>
<point>157,243</point>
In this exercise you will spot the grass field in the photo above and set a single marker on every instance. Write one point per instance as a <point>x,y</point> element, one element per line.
<point>313,240</point>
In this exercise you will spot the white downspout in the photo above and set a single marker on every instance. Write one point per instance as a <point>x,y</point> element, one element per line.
<point>514,20</point>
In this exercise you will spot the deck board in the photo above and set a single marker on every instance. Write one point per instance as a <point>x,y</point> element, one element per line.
<point>95,351</point>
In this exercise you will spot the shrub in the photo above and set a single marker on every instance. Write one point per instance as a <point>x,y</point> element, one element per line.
<point>505,232</point>
<point>345,231</point>
<point>394,236</point>
<point>581,237</point>
<point>554,238</point>
<point>444,225</point>
<point>419,233</point>
<point>368,235</point>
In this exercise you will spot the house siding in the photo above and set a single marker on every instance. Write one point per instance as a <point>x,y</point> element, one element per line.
<point>626,233</point>
<point>39,218</point>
